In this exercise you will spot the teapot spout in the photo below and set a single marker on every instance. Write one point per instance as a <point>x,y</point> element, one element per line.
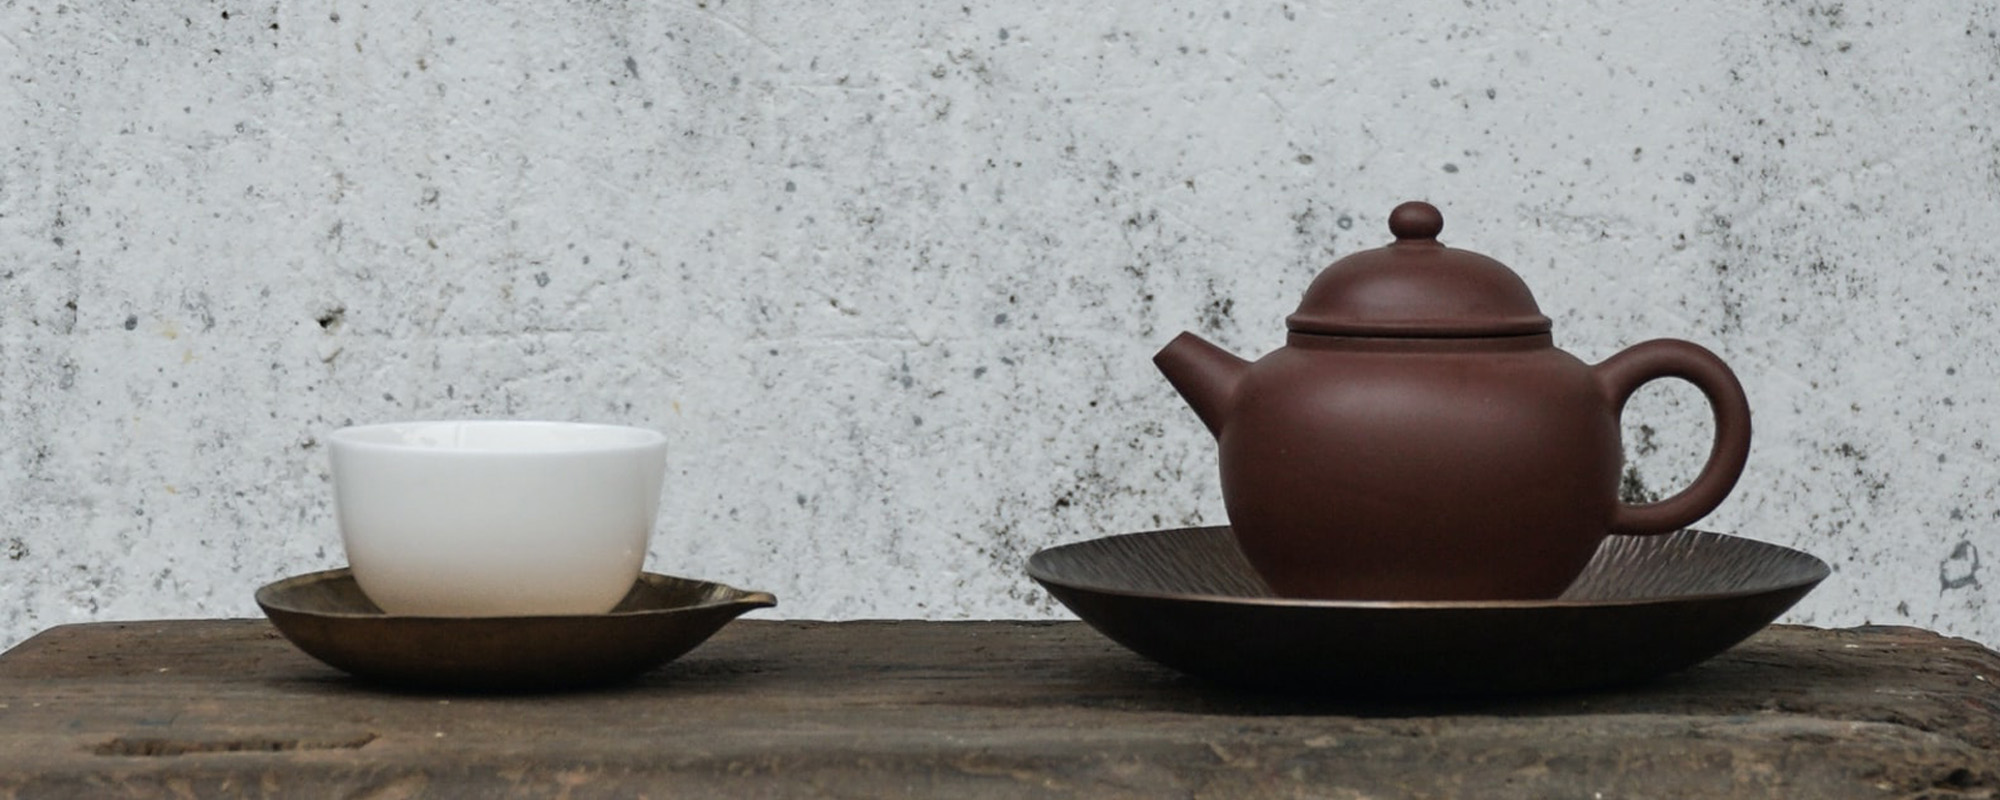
<point>1205,375</point>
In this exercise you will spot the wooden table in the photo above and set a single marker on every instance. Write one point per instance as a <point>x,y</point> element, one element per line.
<point>215,708</point>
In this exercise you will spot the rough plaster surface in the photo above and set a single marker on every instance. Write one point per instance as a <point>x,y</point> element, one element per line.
<point>890,275</point>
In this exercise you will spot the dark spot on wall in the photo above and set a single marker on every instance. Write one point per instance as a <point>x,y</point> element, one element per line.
<point>1302,221</point>
<point>329,320</point>
<point>1450,167</point>
<point>1832,15</point>
<point>632,66</point>
<point>199,305</point>
<point>1960,569</point>
<point>131,321</point>
<point>14,549</point>
<point>1217,313</point>
<point>66,319</point>
<point>1647,444</point>
<point>541,279</point>
<point>1632,489</point>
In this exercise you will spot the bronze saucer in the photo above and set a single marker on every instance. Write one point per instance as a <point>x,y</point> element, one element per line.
<point>327,616</point>
<point>1644,607</point>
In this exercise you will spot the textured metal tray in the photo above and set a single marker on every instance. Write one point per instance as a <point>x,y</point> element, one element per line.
<point>327,616</point>
<point>1644,607</point>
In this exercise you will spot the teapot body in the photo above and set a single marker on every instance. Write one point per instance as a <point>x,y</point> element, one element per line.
<point>1420,437</point>
<point>1419,468</point>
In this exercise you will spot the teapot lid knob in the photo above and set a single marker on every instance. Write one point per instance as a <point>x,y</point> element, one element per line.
<point>1416,220</point>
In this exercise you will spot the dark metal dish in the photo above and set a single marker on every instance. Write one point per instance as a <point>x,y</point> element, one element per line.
<point>1645,606</point>
<point>327,616</point>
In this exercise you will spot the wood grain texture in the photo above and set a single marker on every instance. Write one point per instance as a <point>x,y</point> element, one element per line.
<point>979,709</point>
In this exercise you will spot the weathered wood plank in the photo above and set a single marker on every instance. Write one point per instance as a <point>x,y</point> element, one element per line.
<point>983,709</point>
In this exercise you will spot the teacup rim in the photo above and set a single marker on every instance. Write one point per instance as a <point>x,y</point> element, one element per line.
<point>355,436</point>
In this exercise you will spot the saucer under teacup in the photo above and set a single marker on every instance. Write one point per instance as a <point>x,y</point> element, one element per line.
<point>662,617</point>
<point>1644,607</point>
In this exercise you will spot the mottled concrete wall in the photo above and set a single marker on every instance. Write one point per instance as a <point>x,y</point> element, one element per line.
<point>890,276</point>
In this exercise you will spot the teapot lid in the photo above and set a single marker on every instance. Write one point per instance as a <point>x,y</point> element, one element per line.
<point>1417,287</point>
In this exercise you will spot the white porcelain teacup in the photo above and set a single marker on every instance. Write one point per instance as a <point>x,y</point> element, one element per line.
<point>496,518</point>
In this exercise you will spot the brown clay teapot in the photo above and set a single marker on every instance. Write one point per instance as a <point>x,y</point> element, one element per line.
<point>1419,436</point>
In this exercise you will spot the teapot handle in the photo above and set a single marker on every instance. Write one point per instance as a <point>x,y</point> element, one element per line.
<point>1623,374</point>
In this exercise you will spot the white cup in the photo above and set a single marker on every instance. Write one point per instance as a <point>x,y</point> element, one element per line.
<point>496,518</point>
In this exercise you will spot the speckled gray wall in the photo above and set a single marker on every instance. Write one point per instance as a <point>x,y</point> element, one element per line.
<point>890,274</point>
